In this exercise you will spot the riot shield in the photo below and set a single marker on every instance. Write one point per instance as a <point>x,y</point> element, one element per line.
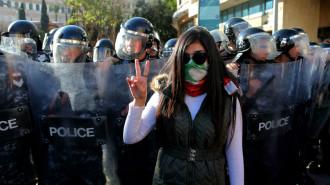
<point>319,80</point>
<point>71,122</point>
<point>136,161</point>
<point>269,96</point>
<point>16,164</point>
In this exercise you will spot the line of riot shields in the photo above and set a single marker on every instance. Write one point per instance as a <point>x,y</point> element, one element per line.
<point>279,100</point>
<point>62,123</point>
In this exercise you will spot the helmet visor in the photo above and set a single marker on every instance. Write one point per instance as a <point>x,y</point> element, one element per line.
<point>302,45</point>
<point>263,45</point>
<point>129,44</point>
<point>239,27</point>
<point>102,53</point>
<point>70,53</point>
<point>15,44</point>
<point>327,53</point>
<point>46,43</point>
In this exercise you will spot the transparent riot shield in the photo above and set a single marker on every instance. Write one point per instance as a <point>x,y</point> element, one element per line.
<point>269,96</point>
<point>318,77</point>
<point>71,122</point>
<point>16,164</point>
<point>136,162</point>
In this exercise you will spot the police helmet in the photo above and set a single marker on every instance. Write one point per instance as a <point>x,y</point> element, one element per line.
<point>169,47</point>
<point>157,39</point>
<point>134,37</point>
<point>48,40</point>
<point>103,49</point>
<point>220,37</point>
<point>234,26</point>
<point>26,29</point>
<point>288,38</point>
<point>258,41</point>
<point>70,45</point>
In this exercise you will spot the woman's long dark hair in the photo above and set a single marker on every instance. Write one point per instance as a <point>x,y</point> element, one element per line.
<point>216,94</point>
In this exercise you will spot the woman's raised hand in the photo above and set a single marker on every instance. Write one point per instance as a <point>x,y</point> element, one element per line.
<point>138,84</point>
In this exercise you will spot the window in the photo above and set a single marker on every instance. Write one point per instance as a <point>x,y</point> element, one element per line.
<point>245,9</point>
<point>186,26</point>
<point>8,4</point>
<point>37,7</point>
<point>1,3</point>
<point>255,7</point>
<point>69,11</point>
<point>16,4</point>
<point>230,13</point>
<point>30,6</point>
<point>62,10</point>
<point>224,16</point>
<point>238,11</point>
<point>269,4</point>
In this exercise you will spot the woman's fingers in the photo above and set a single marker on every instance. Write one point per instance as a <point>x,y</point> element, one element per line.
<point>146,69</point>
<point>137,68</point>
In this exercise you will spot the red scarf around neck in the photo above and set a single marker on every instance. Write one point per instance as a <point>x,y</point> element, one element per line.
<point>196,90</point>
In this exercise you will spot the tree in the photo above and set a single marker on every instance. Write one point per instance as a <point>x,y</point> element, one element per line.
<point>44,21</point>
<point>21,12</point>
<point>159,14</point>
<point>56,9</point>
<point>97,17</point>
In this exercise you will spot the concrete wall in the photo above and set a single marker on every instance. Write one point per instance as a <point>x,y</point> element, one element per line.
<point>304,14</point>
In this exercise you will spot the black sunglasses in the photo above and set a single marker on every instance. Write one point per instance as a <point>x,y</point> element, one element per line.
<point>199,58</point>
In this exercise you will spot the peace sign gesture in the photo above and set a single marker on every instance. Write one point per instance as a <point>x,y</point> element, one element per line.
<point>138,84</point>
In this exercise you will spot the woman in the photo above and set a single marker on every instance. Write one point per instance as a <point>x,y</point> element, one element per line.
<point>196,119</point>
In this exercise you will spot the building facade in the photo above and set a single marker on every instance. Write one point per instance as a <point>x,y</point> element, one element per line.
<point>9,12</point>
<point>310,15</point>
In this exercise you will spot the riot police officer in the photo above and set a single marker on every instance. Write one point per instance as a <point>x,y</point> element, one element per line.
<point>134,37</point>
<point>154,51</point>
<point>319,131</point>
<point>267,120</point>
<point>21,30</point>
<point>103,49</point>
<point>16,129</point>
<point>290,45</point>
<point>169,46</point>
<point>136,161</point>
<point>47,44</point>
<point>254,46</point>
<point>232,28</point>
<point>220,38</point>
<point>69,114</point>
<point>70,45</point>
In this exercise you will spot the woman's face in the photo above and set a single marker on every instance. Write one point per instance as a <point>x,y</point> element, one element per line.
<point>194,47</point>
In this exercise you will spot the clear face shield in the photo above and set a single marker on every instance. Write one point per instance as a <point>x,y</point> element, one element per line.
<point>70,51</point>
<point>102,53</point>
<point>328,53</point>
<point>168,52</point>
<point>239,27</point>
<point>220,38</point>
<point>47,42</point>
<point>19,42</point>
<point>263,46</point>
<point>302,44</point>
<point>130,44</point>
